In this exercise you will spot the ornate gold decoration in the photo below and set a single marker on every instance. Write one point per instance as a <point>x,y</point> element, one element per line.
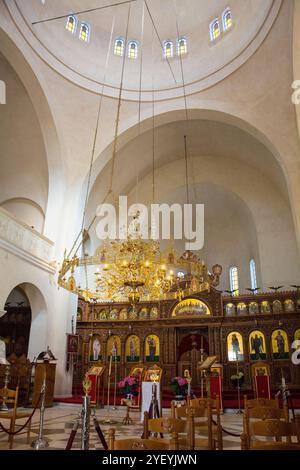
<point>135,269</point>
<point>86,384</point>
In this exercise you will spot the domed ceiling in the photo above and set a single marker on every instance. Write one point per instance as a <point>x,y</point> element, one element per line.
<point>92,65</point>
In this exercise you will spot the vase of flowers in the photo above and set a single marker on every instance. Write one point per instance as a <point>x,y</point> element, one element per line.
<point>129,386</point>
<point>237,379</point>
<point>179,386</point>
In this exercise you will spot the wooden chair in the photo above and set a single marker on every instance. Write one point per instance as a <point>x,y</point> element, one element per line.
<point>276,430</point>
<point>260,414</point>
<point>10,397</point>
<point>214,404</point>
<point>169,426</point>
<point>257,402</point>
<point>142,444</point>
<point>191,416</point>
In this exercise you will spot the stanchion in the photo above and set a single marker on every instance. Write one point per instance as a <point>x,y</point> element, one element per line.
<point>85,423</point>
<point>86,414</point>
<point>115,382</point>
<point>41,442</point>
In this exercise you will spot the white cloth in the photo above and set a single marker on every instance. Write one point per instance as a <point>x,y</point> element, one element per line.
<point>147,397</point>
<point>3,353</point>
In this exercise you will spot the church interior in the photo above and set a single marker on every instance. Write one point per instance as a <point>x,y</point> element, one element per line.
<point>150,225</point>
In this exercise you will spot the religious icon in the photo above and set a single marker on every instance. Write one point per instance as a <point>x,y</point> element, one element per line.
<point>152,348</point>
<point>123,314</point>
<point>154,312</point>
<point>235,347</point>
<point>253,308</point>
<point>73,344</point>
<point>113,314</point>
<point>103,314</point>
<point>257,346</point>
<point>280,345</point>
<point>277,306</point>
<point>143,313</point>
<point>242,308</point>
<point>114,348</point>
<point>265,307</point>
<point>132,313</point>
<point>95,348</point>
<point>289,305</point>
<point>132,349</point>
<point>230,309</point>
<point>190,307</point>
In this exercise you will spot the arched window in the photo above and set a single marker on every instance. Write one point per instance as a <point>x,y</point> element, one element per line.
<point>215,30</point>
<point>253,274</point>
<point>119,47</point>
<point>84,33</point>
<point>234,280</point>
<point>227,19</point>
<point>181,46</point>
<point>168,49</point>
<point>132,50</point>
<point>71,25</point>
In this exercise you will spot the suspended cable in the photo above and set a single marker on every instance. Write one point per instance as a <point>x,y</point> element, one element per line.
<point>109,191</point>
<point>94,142</point>
<point>160,40</point>
<point>187,155</point>
<point>140,94</point>
<point>84,11</point>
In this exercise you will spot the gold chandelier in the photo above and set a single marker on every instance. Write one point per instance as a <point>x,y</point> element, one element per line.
<point>136,270</point>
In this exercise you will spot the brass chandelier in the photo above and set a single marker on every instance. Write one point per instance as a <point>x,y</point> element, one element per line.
<point>134,270</point>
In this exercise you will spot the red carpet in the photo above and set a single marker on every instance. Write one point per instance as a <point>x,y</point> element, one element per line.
<point>229,398</point>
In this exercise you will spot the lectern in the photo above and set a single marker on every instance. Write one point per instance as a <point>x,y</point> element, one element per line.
<point>42,368</point>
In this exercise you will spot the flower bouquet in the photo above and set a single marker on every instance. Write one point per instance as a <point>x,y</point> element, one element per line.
<point>237,379</point>
<point>179,386</point>
<point>129,386</point>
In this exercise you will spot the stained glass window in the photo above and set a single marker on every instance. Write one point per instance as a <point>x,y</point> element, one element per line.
<point>234,280</point>
<point>253,274</point>
<point>227,19</point>
<point>119,47</point>
<point>84,33</point>
<point>168,49</point>
<point>132,50</point>
<point>181,46</point>
<point>71,24</point>
<point>215,30</point>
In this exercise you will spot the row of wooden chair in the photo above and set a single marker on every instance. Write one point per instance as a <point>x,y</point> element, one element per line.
<point>190,427</point>
<point>266,426</point>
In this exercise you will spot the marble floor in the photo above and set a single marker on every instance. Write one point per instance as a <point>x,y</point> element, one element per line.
<point>60,418</point>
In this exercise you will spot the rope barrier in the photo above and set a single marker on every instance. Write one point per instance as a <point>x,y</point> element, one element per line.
<point>225,430</point>
<point>72,435</point>
<point>100,433</point>
<point>10,433</point>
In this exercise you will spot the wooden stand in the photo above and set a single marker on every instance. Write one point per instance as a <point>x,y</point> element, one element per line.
<point>41,369</point>
<point>95,374</point>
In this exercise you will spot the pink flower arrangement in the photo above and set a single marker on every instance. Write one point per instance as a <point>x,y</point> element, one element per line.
<point>128,385</point>
<point>179,385</point>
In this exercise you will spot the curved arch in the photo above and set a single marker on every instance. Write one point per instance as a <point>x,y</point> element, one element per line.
<point>15,205</point>
<point>206,114</point>
<point>37,93</point>
<point>39,321</point>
